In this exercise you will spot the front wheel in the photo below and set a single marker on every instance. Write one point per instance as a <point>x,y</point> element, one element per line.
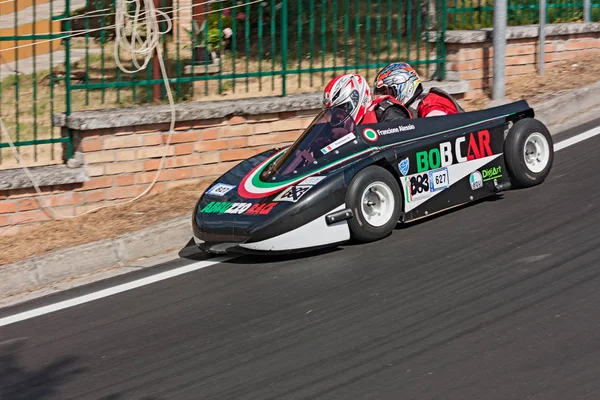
<point>529,152</point>
<point>376,201</point>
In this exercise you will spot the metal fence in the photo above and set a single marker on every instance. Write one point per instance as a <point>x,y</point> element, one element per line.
<point>274,47</point>
<point>473,14</point>
<point>58,56</point>
<point>234,49</point>
<point>30,33</point>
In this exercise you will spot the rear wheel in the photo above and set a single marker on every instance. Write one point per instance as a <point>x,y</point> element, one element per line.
<point>529,152</point>
<point>375,199</point>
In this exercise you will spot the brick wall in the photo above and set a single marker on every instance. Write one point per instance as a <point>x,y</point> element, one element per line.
<point>121,162</point>
<point>472,60</point>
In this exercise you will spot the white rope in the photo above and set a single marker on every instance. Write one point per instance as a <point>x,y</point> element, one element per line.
<point>138,45</point>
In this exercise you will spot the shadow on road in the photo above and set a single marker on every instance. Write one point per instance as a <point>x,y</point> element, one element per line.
<point>191,252</point>
<point>408,225</point>
<point>274,258</point>
<point>19,383</point>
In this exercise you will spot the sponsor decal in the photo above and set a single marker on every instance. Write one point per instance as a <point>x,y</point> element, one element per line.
<point>293,193</point>
<point>418,186</point>
<point>389,131</point>
<point>478,146</point>
<point>406,128</point>
<point>370,135</point>
<point>215,207</point>
<point>438,179</point>
<point>220,189</point>
<point>338,143</point>
<point>313,180</point>
<point>491,173</point>
<point>476,180</point>
<point>373,134</point>
<point>404,166</point>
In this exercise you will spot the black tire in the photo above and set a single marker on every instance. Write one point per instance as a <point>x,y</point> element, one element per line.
<point>522,174</point>
<point>360,229</point>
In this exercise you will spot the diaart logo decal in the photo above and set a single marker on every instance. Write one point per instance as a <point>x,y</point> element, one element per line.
<point>492,173</point>
<point>370,134</point>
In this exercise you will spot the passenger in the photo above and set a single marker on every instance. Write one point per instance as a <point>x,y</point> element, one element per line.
<point>386,108</point>
<point>402,82</point>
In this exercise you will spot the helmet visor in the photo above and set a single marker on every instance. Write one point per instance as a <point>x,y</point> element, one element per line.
<point>383,91</point>
<point>350,104</point>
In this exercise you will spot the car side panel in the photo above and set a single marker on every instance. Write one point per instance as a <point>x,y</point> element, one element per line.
<point>450,169</point>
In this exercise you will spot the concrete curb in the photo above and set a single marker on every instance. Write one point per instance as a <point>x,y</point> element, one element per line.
<point>563,106</point>
<point>37,272</point>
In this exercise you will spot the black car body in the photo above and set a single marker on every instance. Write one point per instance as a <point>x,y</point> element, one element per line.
<point>296,198</point>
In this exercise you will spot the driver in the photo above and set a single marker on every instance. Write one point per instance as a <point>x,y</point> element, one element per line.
<point>351,93</point>
<point>402,82</point>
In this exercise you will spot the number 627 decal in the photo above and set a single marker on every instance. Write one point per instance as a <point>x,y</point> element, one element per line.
<point>438,179</point>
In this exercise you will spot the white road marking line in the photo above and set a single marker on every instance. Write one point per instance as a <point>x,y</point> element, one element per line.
<point>111,291</point>
<point>577,138</point>
<point>192,267</point>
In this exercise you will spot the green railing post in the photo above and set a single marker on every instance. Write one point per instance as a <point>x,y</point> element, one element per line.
<point>442,14</point>
<point>284,46</point>
<point>51,83</point>
<point>17,125</point>
<point>68,77</point>
<point>260,46</point>
<point>323,40</point>
<point>300,52</point>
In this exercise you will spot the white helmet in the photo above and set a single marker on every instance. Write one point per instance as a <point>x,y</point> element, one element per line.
<point>350,92</point>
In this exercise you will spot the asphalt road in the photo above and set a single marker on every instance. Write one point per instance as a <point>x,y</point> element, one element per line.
<point>497,300</point>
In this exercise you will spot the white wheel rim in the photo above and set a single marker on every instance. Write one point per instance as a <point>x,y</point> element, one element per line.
<point>536,152</point>
<point>377,204</point>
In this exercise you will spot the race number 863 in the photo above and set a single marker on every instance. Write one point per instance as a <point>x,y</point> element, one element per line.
<point>419,184</point>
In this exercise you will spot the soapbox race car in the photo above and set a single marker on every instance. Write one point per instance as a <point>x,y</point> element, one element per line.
<point>340,181</point>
